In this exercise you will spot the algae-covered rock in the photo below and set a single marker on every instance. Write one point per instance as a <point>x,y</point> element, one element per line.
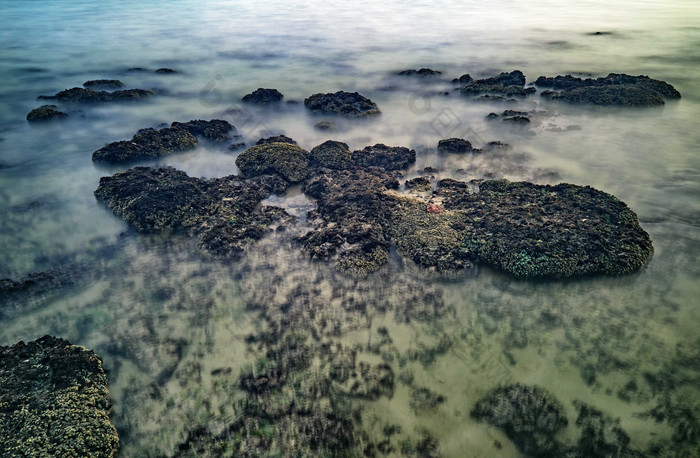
<point>79,94</point>
<point>263,96</point>
<point>221,212</point>
<point>103,84</point>
<point>45,113</point>
<point>54,401</point>
<point>387,157</point>
<point>350,104</point>
<point>147,144</point>
<point>276,139</point>
<point>504,85</point>
<point>614,89</point>
<point>215,130</point>
<point>529,415</point>
<point>332,155</point>
<point>284,159</point>
<point>423,73</point>
<point>456,146</point>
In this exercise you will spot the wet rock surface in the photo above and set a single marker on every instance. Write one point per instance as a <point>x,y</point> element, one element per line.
<point>422,73</point>
<point>284,159</point>
<point>103,84</point>
<point>83,95</point>
<point>262,96</point>
<point>276,139</point>
<point>504,85</point>
<point>54,401</point>
<point>348,104</point>
<point>45,113</point>
<point>221,212</point>
<point>456,146</point>
<point>386,157</point>
<point>614,89</point>
<point>146,144</point>
<point>215,130</point>
<point>332,155</point>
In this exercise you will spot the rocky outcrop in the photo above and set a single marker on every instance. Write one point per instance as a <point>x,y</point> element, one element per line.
<point>263,96</point>
<point>215,130</point>
<point>386,157</point>
<point>614,89</point>
<point>83,95</point>
<point>221,212</point>
<point>284,159</point>
<point>146,144</point>
<point>331,155</point>
<point>45,113</point>
<point>456,146</point>
<point>504,85</point>
<point>103,84</point>
<point>348,104</point>
<point>423,73</point>
<point>54,401</point>
<point>276,139</point>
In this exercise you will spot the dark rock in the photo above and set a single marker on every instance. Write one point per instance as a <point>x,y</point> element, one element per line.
<point>284,159</point>
<point>504,85</point>
<point>222,212</point>
<point>236,146</point>
<point>350,104</point>
<point>331,155</point>
<point>464,79</point>
<point>324,125</point>
<point>456,146</point>
<point>45,113</point>
<point>103,84</point>
<point>388,157</point>
<point>419,184</point>
<point>79,94</point>
<point>423,73</point>
<point>614,89</point>
<point>215,130</point>
<point>276,139</point>
<point>263,96</point>
<point>510,113</point>
<point>529,415</point>
<point>601,435</point>
<point>166,70</point>
<point>517,119</point>
<point>491,116</point>
<point>136,69</point>
<point>54,401</point>
<point>146,144</point>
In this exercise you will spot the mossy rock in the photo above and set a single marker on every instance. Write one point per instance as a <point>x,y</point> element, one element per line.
<point>54,401</point>
<point>284,159</point>
<point>331,155</point>
<point>146,144</point>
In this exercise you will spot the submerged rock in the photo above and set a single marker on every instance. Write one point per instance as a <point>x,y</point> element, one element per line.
<point>263,96</point>
<point>614,89</point>
<point>79,94</point>
<point>45,113</point>
<point>166,70</point>
<point>284,159</point>
<point>504,85</point>
<point>423,73</point>
<point>331,155</point>
<point>350,104</point>
<point>456,146</point>
<point>146,144</point>
<point>464,79</point>
<point>103,84</point>
<point>529,415</point>
<point>387,157</point>
<point>222,212</point>
<point>276,139</point>
<point>54,401</point>
<point>215,130</point>
<point>601,435</point>
<point>324,125</point>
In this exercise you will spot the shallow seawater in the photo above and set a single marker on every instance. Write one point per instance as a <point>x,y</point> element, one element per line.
<point>174,329</point>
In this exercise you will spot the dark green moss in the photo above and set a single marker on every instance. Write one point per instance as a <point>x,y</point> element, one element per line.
<point>284,159</point>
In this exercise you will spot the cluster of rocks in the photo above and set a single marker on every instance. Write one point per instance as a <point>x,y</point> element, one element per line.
<point>505,85</point>
<point>54,401</point>
<point>348,104</point>
<point>512,116</point>
<point>614,89</point>
<point>423,73</point>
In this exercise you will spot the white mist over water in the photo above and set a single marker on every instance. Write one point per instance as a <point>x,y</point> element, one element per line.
<point>223,50</point>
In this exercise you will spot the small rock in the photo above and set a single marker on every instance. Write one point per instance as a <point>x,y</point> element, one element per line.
<point>45,113</point>
<point>103,84</point>
<point>263,96</point>
<point>276,139</point>
<point>165,70</point>
<point>350,104</point>
<point>456,146</point>
<point>324,125</point>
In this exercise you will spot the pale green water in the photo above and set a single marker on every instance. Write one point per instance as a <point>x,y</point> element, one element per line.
<point>163,319</point>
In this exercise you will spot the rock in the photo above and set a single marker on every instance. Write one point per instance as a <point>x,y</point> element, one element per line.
<point>456,146</point>
<point>103,84</point>
<point>136,69</point>
<point>504,85</point>
<point>419,184</point>
<point>263,96</point>
<point>464,79</point>
<point>45,113</point>
<point>388,157</point>
<point>221,212</point>
<point>529,415</point>
<point>166,70</point>
<point>350,104</point>
<point>614,89</point>
<point>276,139</point>
<point>215,130</point>
<point>54,401</point>
<point>30,288</point>
<point>79,94</point>
<point>146,144</point>
<point>423,73</point>
<point>517,119</point>
<point>331,155</point>
<point>236,146</point>
<point>283,159</point>
<point>324,125</point>
<point>548,231</point>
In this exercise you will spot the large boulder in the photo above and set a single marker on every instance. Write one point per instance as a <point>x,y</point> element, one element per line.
<point>456,146</point>
<point>387,157</point>
<point>263,96</point>
<point>45,113</point>
<point>504,85</point>
<point>350,104</point>
<point>146,144</point>
<point>284,159</point>
<point>54,401</point>
<point>215,130</point>
<point>332,155</point>
<point>614,89</point>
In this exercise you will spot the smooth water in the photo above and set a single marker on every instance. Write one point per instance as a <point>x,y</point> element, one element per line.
<point>172,327</point>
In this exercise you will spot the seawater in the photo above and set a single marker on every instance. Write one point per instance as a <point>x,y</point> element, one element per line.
<point>165,320</point>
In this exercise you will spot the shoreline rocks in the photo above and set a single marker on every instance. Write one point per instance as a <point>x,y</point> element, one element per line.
<point>262,96</point>
<point>456,146</point>
<point>349,104</point>
<point>83,95</point>
<point>504,85</point>
<point>103,84</point>
<point>284,159</point>
<point>45,113</point>
<point>54,401</point>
